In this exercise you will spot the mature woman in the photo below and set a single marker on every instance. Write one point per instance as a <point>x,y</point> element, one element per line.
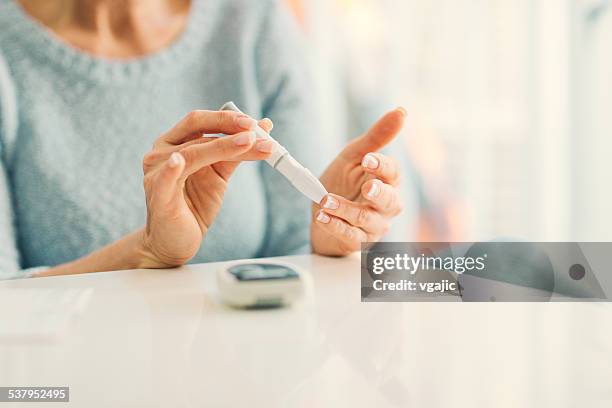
<point>88,91</point>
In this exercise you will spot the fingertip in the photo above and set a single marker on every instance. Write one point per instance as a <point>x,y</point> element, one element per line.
<point>393,121</point>
<point>265,146</point>
<point>244,140</point>
<point>266,124</point>
<point>370,162</point>
<point>322,202</point>
<point>175,165</point>
<point>245,122</point>
<point>396,119</point>
<point>323,218</point>
<point>257,156</point>
<point>176,160</point>
<point>330,202</point>
<point>371,189</point>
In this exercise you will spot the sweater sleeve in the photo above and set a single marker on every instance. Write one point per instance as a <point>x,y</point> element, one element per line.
<point>9,253</point>
<point>9,256</point>
<point>284,84</point>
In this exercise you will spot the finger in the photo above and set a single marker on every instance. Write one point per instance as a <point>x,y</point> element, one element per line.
<point>166,180</point>
<point>261,150</point>
<point>383,167</point>
<point>380,135</point>
<point>266,124</point>
<point>356,214</point>
<point>350,236</point>
<point>265,146</point>
<point>383,197</point>
<point>201,121</point>
<point>221,149</point>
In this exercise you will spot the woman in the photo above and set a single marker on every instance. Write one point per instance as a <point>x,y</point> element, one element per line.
<point>88,86</point>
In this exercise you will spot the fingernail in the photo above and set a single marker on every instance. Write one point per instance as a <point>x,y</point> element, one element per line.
<point>265,146</point>
<point>331,203</point>
<point>370,162</point>
<point>245,122</point>
<point>270,122</point>
<point>403,111</point>
<point>244,139</point>
<point>323,218</point>
<point>374,190</point>
<point>174,160</point>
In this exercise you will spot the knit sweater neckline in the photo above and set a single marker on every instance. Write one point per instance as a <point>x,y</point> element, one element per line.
<point>55,50</point>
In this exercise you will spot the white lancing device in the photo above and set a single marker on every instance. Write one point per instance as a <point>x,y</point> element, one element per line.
<point>281,160</point>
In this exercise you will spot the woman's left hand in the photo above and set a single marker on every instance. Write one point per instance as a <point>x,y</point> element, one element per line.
<point>364,195</point>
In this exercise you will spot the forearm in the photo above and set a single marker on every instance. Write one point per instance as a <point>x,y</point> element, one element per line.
<point>127,253</point>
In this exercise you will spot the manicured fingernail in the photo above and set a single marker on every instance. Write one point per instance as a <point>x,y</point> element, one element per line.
<point>265,146</point>
<point>370,162</point>
<point>403,111</point>
<point>245,122</point>
<point>174,160</point>
<point>270,123</point>
<point>374,190</point>
<point>331,203</point>
<point>244,139</point>
<point>323,218</point>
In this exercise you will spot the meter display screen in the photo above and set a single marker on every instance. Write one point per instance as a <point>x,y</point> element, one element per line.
<point>259,272</point>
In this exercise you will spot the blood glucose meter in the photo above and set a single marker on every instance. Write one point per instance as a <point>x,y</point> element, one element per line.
<point>253,285</point>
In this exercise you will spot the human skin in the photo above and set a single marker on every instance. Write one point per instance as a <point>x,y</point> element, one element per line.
<point>182,165</point>
<point>365,191</point>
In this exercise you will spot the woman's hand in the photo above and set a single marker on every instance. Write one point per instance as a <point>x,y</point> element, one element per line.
<point>365,195</point>
<point>185,178</point>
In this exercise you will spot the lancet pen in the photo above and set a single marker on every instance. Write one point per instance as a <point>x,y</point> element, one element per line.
<point>281,160</point>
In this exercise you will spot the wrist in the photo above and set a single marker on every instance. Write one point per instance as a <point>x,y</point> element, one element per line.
<point>138,253</point>
<point>146,256</point>
<point>130,252</point>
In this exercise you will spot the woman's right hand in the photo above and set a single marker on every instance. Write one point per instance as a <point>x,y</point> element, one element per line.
<point>185,178</point>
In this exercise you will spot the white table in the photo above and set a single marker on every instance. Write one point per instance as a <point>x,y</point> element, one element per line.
<point>162,339</point>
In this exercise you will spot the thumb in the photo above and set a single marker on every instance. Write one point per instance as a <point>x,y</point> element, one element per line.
<point>167,180</point>
<point>380,135</point>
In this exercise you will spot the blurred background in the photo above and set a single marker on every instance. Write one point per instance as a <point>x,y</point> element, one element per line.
<point>510,107</point>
